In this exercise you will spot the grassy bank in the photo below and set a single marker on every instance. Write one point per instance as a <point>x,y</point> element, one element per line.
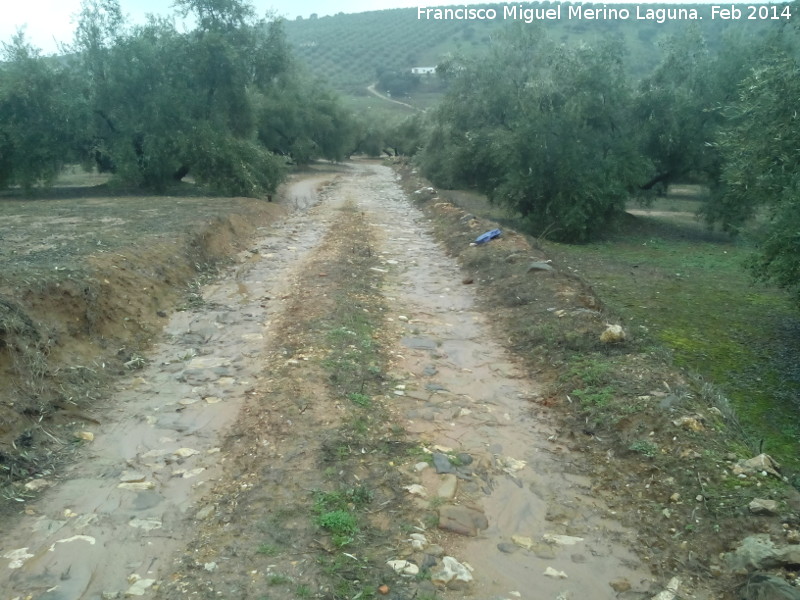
<point>679,285</point>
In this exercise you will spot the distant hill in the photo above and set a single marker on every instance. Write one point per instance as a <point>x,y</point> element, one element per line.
<point>350,50</point>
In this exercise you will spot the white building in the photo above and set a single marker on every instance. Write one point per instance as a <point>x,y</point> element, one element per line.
<point>423,70</point>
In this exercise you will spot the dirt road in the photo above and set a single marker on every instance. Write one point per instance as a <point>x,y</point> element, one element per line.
<point>218,443</point>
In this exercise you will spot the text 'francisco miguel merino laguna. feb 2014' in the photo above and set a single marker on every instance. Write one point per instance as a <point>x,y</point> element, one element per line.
<point>557,12</point>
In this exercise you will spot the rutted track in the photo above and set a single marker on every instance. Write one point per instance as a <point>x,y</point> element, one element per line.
<point>119,513</point>
<point>88,535</point>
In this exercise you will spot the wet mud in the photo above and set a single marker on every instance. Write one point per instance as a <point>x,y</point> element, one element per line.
<point>114,521</point>
<point>463,392</point>
<point>111,523</point>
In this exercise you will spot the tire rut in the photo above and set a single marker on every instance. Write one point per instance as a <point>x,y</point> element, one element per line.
<point>234,518</point>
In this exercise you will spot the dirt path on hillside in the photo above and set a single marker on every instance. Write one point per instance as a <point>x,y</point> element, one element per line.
<point>371,89</point>
<point>164,502</point>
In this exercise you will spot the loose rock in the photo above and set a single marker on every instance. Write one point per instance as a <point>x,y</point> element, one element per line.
<point>551,572</point>
<point>758,552</point>
<point>561,540</point>
<point>37,484</point>
<point>763,463</point>
<point>613,334</point>
<point>140,586</point>
<point>761,506</point>
<point>671,590</point>
<point>442,463</point>
<point>403,567</point>
<point>535,267</point>
<point>448,487</point>
<point>462,520</point>
<point>450,572</point>
<point>620,585</point>
<point>761,586</point>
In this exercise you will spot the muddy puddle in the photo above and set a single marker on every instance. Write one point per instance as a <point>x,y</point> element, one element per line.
<point>109,525</point>
<point>463,393</point>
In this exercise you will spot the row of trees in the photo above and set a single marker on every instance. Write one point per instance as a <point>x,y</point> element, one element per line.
<point>563,137</point>
<point>224,102</point>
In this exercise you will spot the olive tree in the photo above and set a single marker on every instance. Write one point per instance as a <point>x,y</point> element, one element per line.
<point>542,129</point>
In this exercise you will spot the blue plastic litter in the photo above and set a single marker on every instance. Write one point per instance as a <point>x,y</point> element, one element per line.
<point>489,235</point>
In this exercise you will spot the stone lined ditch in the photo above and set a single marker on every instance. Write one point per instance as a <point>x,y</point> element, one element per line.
<point>113,524</point>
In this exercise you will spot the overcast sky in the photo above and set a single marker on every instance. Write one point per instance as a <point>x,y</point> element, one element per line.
<point>48,22</point>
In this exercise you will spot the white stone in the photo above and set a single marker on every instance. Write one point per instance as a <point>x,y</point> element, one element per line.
<point>416,489</point>
<point>551,572</point>
<point>185,452</point>
<point>451,570</point>
<point>75,538</point>
<point>137,486</point>
<point>140,587</point>
<point>403,567</point>
<point>561,540</point>
<point>146,524</point>
<point>671,592</point>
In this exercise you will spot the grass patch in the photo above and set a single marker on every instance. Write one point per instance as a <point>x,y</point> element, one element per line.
<point>268,550</point>
<point>686,289</point>
<point>277,579</point>
<point>341,524</point>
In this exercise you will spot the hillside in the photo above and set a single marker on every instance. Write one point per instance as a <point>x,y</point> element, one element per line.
<point>351,49</point>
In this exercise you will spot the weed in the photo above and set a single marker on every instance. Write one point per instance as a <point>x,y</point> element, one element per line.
<point>360,426</point>
<point>644,447</point>
<point>360,399</point>
<point>341,524</point>
<point>358,497</point>
<point>589,371</point>
<point>136,362</point>
<point>277,579</point>
<point>594,397</point>
<point>436,502</point>
<point>268,550</point>
<point>303,591</point>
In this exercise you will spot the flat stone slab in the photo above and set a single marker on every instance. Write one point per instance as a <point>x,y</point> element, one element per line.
<point>462,520</point>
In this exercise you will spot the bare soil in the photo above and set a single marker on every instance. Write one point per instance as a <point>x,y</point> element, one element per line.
<point>275,439</point>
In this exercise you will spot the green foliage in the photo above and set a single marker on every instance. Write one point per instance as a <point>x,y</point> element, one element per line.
<point>168,103</point>
<point>397,83</point>
<point>360,399</point>
<point>760,146</point>
<point>40,119</point>
<point>644,447</point>
<point>541,129</point>
<point>301,118</point>
<point>357,497</point>
<point>152,104</point>
<point>341,524</point>
<point>679,104</point>
<point>335,514</point>
<point>268,550</point>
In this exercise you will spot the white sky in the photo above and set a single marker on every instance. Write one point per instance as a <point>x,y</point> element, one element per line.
<point>48,22</point>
